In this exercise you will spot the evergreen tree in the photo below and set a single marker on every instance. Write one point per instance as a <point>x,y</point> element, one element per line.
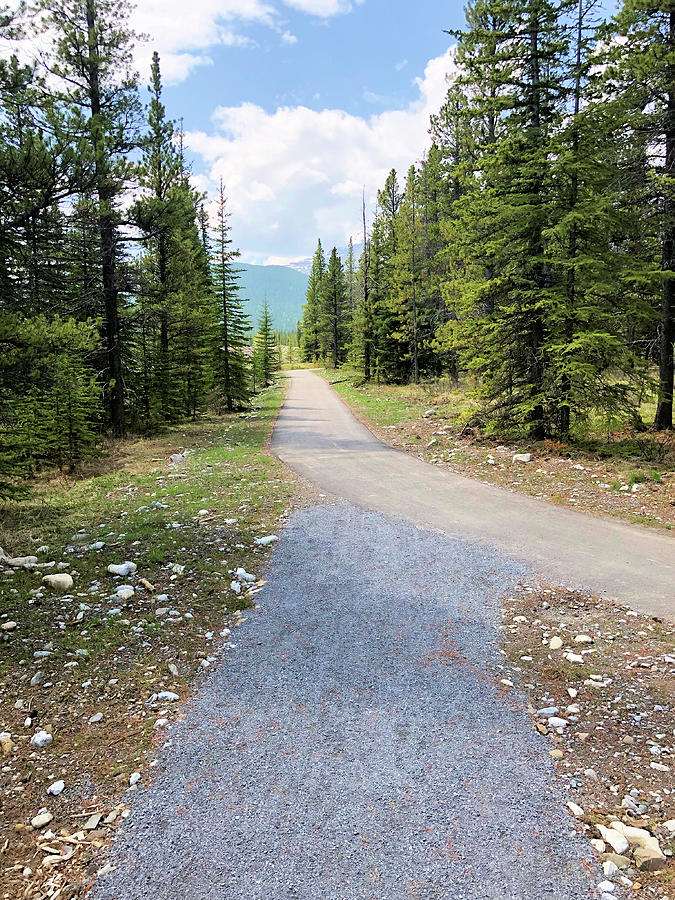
<point>92,63</point>
<point>265,354</point>
<point>158,216</point>
<point>311,325</point>
<point>233,375</point>
<point>335,316</point>
<point>640,77</point>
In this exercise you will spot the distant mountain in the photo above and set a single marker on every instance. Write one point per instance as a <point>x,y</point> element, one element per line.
<point>285,289</point>
<point>305,265</point>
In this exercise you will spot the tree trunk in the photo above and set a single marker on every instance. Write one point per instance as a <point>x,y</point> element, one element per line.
<point>565,409</point>
<point>367,321</point>
<point>106,227</point>
<point>664,412</point>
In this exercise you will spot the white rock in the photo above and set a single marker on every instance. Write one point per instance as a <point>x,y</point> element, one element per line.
<point>637,836</point>
<point>264,541</point>
<point>670,825</point>
<point>556,722</point>
<point>616,841</point>
<point>123,569</point>
<point>583,639</point>
<point>243,575</point>
<point>236,587</point>
<point>125,594</point>
<point>61,582</point>
<point>606,886</point>
<point>522,457</point>
<point>574,809</point>
<point>9,626</point>
<point>43,549</point>
<point>162,598</point>
<point>555,643</point>
<point>41,739</point>
<point>609,868</point>
<point>168,696</point>
<point>598,845</point>
<point>135,778</point>
<point>42,819</point>
<point>56,788</point>
<point>96,719</point>
<point>574,657</point>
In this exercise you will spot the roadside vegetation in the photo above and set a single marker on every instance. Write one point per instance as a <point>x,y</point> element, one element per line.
<point>531,250</point>
<point>608,468</point>
<point>100,670</point>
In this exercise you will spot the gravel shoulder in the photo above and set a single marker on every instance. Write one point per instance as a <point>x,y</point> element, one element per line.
<point>359,741</point>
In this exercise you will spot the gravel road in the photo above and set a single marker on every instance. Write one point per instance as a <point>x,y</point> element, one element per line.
<point>357,743</point>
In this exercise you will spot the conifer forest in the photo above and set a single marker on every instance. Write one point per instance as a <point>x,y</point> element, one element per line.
<point>120,307</point>
<point>531,252</point>
<point>532,249</point>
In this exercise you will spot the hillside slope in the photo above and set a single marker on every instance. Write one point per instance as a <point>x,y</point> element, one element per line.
<point>284,288</point>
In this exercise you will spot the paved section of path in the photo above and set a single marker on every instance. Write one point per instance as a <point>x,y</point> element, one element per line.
<point>318,436</point>
<point>356,743</point>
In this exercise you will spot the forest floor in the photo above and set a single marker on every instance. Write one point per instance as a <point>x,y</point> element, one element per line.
<point>624,474</point>
<point>609,673</point>
<point>100,670</point>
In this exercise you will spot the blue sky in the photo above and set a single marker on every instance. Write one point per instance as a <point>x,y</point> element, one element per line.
<point>362,62</point>
<point>298,105</point>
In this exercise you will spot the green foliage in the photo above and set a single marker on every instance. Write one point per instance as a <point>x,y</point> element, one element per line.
<point>94,337</point>
<point>312,346</point>
<point>266,360</point>
<point>530,248</point>
<point>49,405</point>
<point>233,367</point>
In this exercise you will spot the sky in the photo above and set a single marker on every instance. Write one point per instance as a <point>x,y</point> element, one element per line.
<point>299,105</point>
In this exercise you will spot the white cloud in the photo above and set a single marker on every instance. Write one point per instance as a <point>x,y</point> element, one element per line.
<point>183,36</point>
<point>323,8</point>
<point>307,168</point>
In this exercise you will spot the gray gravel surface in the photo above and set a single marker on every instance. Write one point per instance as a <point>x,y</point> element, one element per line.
<point>357,742</point>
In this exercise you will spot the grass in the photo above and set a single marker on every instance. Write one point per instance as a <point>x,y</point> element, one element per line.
<point>388,404</point>
<point>111,655</point>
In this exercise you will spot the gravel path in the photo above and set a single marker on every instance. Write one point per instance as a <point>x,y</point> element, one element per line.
<point>355,743</point>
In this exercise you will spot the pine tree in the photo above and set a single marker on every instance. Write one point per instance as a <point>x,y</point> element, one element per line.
<point>335,316</point>
<point>311,325</point>
<point>265,355</point>
<point>640,77</point>
<point>158,216</point>
<point>233,376</point>
<point>92,62</point>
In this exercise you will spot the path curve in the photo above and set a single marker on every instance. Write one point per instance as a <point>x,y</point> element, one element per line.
<point>319,437</point>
